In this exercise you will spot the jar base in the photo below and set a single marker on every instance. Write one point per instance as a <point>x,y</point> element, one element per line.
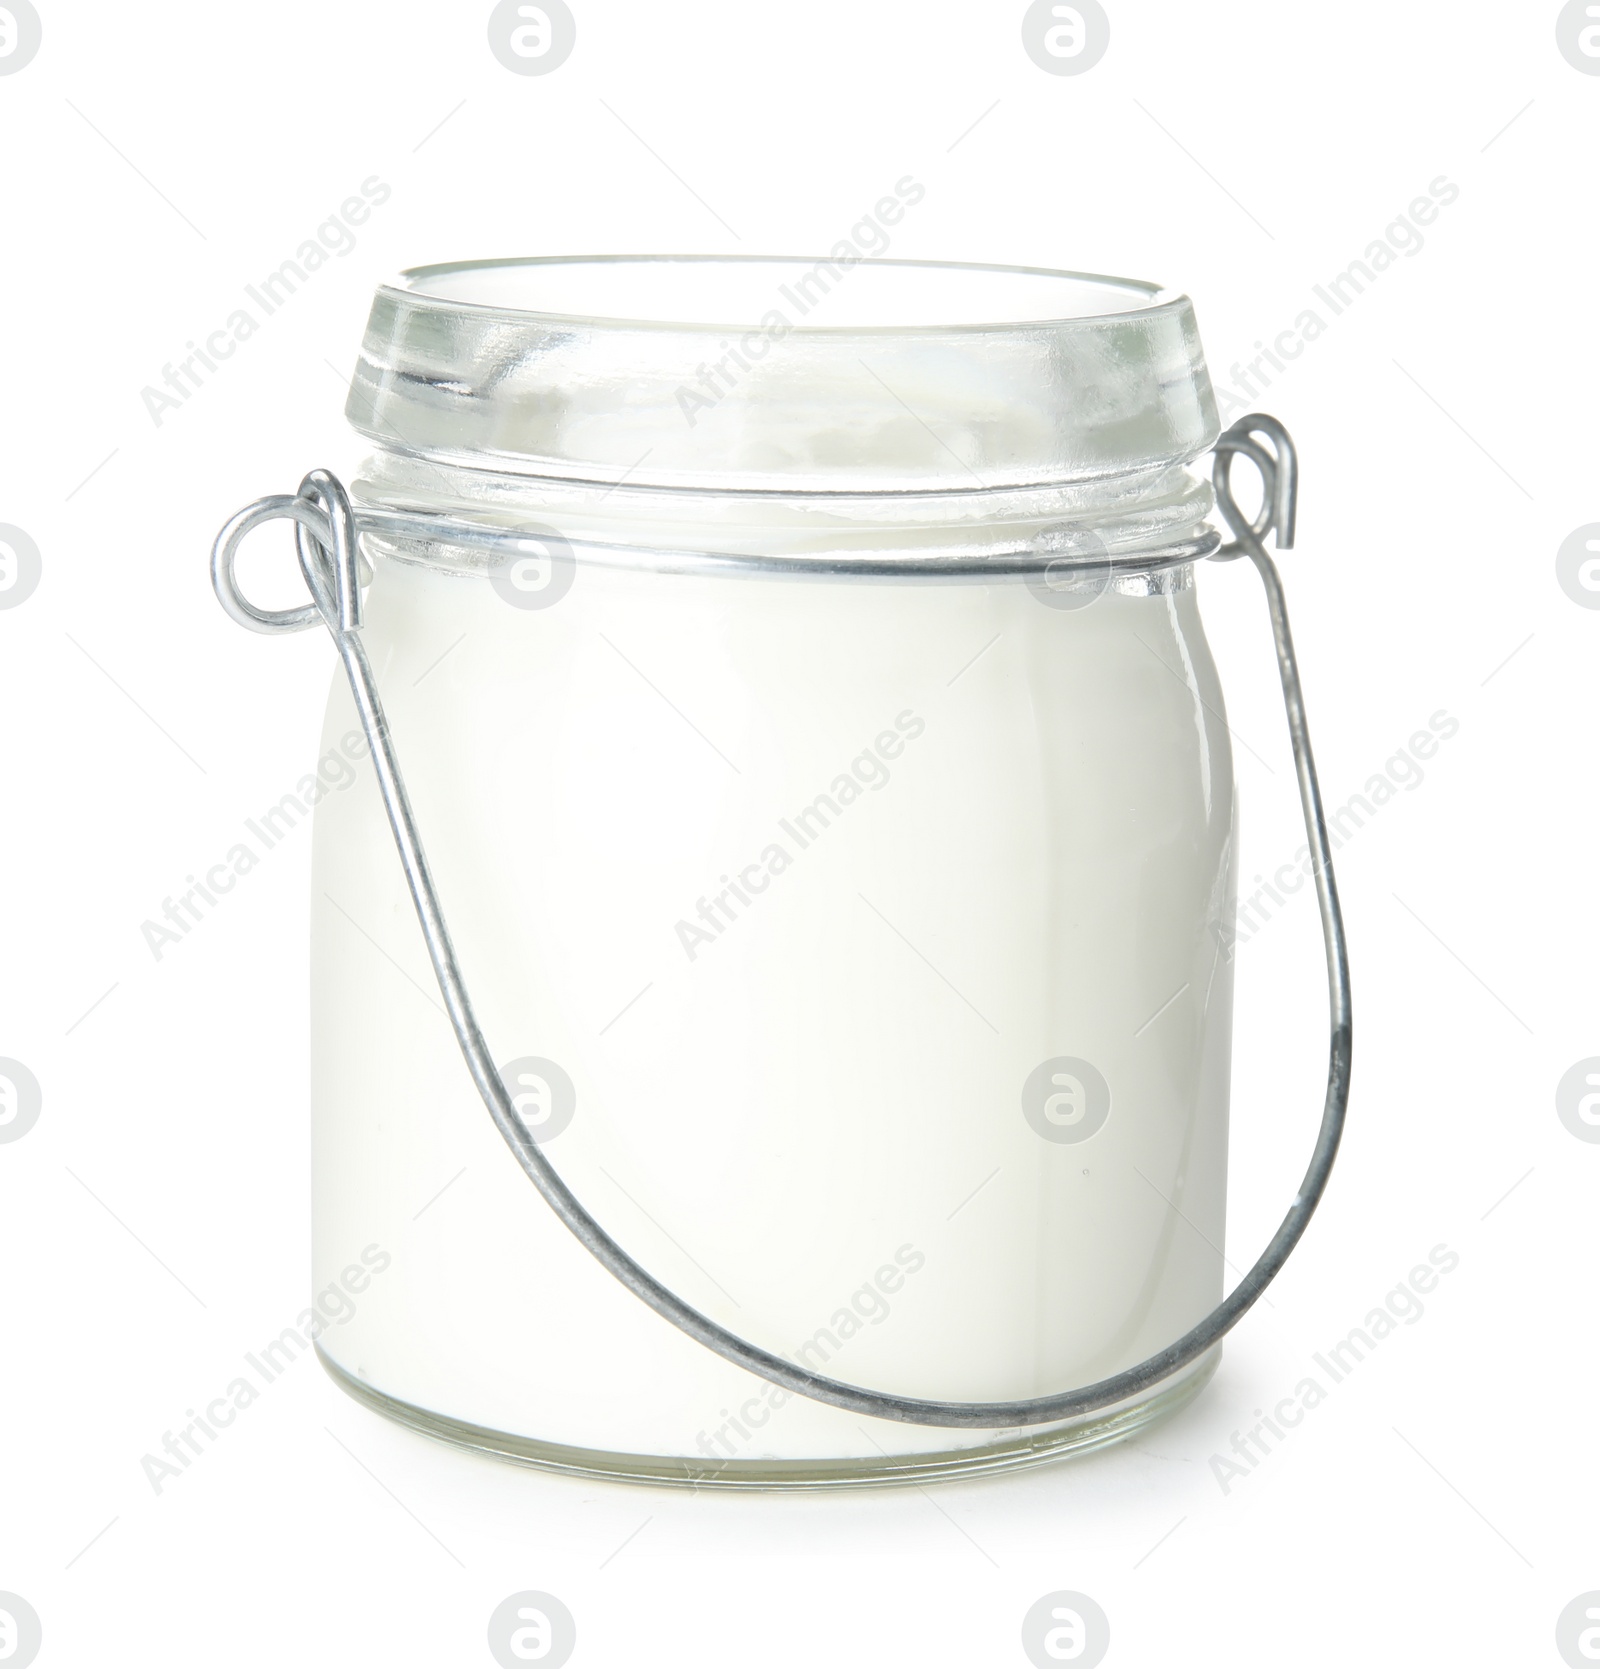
<point>1009,1454</point>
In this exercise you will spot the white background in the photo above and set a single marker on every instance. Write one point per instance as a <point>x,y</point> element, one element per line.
<point>154,1224</point>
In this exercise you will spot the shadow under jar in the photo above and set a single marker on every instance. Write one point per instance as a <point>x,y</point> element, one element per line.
<point>838,904</point>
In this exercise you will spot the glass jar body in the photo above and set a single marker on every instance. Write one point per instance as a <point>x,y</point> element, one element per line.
<point>795,909</point>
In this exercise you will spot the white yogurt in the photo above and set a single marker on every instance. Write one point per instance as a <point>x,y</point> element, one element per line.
<point>798,882</point>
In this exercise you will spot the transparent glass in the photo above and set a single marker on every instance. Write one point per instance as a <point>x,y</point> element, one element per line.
<point>847,934</point>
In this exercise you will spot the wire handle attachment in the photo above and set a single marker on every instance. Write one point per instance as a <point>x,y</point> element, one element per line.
<point>1280,485</point>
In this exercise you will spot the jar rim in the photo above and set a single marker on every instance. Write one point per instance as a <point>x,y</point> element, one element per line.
<point>1111,382</point>
<point>896,278</point>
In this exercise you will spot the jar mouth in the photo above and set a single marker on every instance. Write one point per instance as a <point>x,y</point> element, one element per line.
<point>583,369</point>
<point>736,292</point>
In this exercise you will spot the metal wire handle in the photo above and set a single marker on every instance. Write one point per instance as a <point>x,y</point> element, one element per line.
<point>326,539</point>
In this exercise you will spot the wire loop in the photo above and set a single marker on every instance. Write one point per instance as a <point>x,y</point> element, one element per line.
<point>1280,482</point>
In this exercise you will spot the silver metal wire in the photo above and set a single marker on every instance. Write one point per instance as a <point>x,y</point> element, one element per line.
<point>326,535</point>
<point>1280,484</point>
<point>1021,561</point>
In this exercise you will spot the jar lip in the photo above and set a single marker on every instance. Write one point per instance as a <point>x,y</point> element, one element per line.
<point>421,286</point>
<point>594,368</point>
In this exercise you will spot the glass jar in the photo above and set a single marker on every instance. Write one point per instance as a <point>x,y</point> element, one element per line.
<point>834,881</point>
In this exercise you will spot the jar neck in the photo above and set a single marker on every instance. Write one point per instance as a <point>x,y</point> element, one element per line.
<point>1146,510</point>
